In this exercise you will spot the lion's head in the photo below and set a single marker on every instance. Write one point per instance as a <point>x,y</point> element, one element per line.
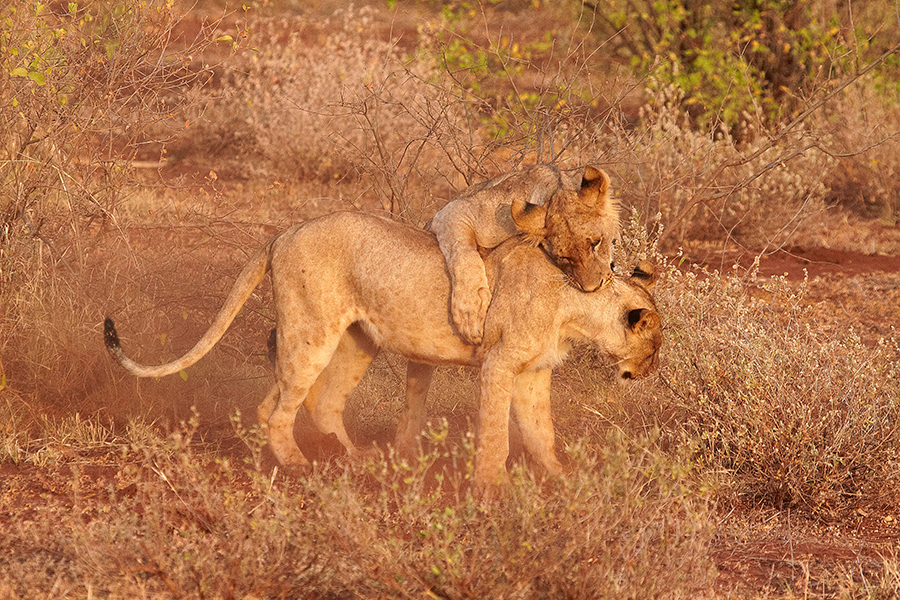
<point>643,326</point>
<point>576,228</point>
<point>644,335</point>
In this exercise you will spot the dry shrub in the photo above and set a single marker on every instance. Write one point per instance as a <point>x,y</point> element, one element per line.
<point>178,521</point>
<point>468,103</point>
<point>52,349</point>
<point>83,86</point>
<point>709,186</point>
<point>866,182</point>
<point>409,126</point>
<point>626,523</point>
<point>759,182</point>
<point>412,127</point>
<point>798,417</point>
<point>328,103</point>
<point>49,355</point>
<point>780,409</point>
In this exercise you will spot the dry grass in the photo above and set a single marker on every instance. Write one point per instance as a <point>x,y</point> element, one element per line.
<point>167,518</point>
<point>798,417</point>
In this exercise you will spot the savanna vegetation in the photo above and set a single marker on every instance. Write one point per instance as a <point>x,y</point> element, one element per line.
<point>148,146</point>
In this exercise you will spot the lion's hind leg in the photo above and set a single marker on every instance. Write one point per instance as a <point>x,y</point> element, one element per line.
<point>412,421</point>
<point>303,353</point>
<point>328,396</point>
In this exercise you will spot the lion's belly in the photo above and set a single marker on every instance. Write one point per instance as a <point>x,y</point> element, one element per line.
<point>425,344</point>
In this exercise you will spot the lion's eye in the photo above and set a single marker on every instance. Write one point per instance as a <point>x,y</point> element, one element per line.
<point>595,245</point>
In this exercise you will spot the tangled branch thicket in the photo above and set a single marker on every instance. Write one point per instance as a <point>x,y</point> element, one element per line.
<point>85,89</point>
<point>411,127</point>
<point>346,108</point>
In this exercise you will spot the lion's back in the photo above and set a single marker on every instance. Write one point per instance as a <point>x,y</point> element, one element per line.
<point>485,208</point>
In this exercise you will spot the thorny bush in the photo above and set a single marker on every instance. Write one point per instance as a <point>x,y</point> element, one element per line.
<point>797,416</point>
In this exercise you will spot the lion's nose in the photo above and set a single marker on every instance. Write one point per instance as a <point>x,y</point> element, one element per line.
<point>594,283</point>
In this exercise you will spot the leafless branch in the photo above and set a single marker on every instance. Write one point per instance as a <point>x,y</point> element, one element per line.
<point>702,195</point>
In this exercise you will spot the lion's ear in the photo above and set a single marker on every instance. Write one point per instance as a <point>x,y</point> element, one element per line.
<point>648,321</point>
<point>645,274</point>
<point>529,218</point>
<point>595,181</point>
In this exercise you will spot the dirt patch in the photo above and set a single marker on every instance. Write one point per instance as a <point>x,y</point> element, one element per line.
<point>797,262</point>
<point>843,288</point>
<point>775,551</point>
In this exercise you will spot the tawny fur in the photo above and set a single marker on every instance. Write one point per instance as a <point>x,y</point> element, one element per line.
<point>571,215</point>
<point>348,284</point>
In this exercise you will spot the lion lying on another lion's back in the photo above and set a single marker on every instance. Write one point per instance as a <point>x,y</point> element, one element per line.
<point>349,283</point>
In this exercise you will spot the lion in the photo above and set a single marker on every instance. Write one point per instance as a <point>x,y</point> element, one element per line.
<point>573,219</point>
<point>347,284</point>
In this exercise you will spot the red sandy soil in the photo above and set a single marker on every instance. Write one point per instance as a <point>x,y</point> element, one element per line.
<point>771,550</point>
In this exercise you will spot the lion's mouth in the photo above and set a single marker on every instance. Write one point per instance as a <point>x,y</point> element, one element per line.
<point>638,368</point>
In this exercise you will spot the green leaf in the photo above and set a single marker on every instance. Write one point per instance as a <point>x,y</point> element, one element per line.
<point>37,77</point>
<point>183,374</point>
<point>19,72</point>
<point>225,38</point>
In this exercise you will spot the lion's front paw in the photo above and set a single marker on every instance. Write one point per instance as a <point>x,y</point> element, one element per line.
<point>469,311</point>
<point>297,471</point>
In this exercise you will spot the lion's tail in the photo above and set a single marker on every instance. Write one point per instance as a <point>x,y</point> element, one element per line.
<point>246,282</point>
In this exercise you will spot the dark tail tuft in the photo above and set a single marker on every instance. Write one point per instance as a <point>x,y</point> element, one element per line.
<point>110,337</point>
<point>272,346</point>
